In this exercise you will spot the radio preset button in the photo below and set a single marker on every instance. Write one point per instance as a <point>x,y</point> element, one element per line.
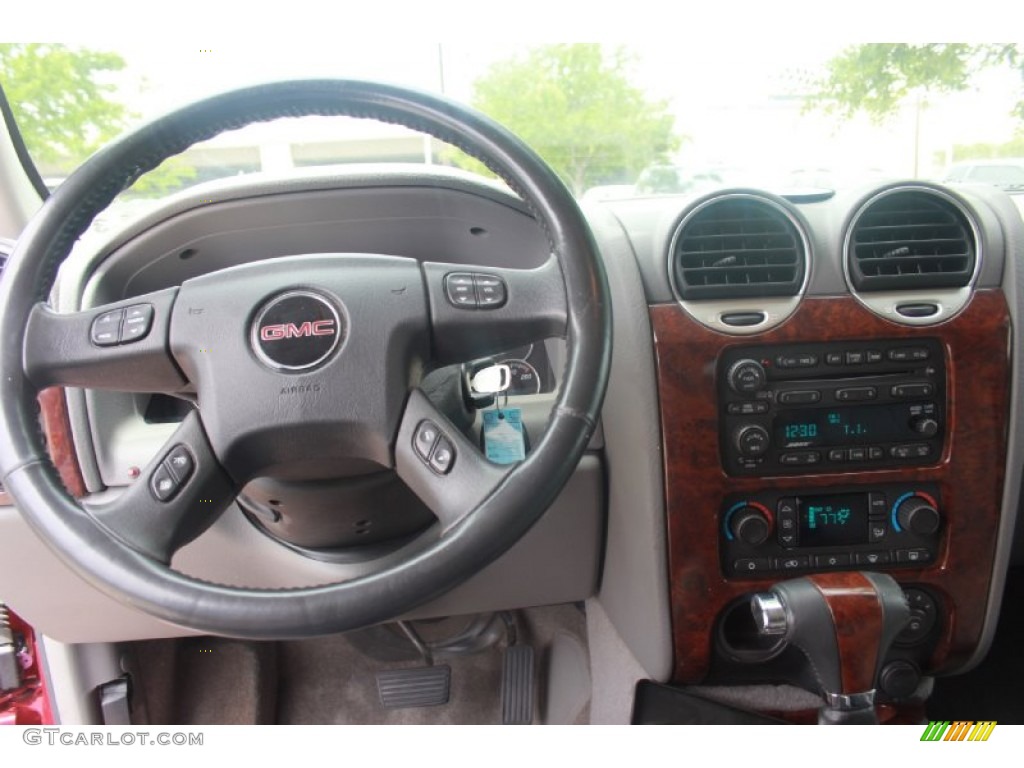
<point>854,358</point>
<point>834,358</point>
<point>857,454</point>
<point>799,397</point>
<point>873,356</point>
<point>837,454</point>
<point>911,390</point>
<point>856,394</point>
<point>875,453</point>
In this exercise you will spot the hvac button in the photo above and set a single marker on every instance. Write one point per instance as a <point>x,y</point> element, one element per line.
<point>794,563</point>
<point>838,560</point>
<point>913,555</point>
<point>751,565</point>
<point>873,558</point>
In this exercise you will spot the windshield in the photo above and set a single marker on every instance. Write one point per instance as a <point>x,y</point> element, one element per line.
<point>616,121</point>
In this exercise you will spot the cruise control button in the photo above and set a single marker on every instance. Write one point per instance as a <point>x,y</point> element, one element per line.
<point>138,319</point>
<point>443,457</point>
<point>459,289</point>
<point>181,464</point>
<point>490,291</point>
<point>424,438</point>
<point>162,484</point>
<point>106,329</point>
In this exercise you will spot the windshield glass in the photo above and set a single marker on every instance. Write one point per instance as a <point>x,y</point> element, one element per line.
<point>616,121</point>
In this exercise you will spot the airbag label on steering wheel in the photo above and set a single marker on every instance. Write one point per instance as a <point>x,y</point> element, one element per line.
<point>503,435</point>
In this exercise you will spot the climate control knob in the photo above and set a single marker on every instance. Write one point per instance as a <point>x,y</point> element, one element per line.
<point>746,377</point>
<point>917,514</point>
<point>752,440</point>
<point>750,526</point>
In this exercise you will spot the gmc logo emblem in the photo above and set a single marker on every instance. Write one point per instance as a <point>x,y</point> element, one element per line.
<point>293,331</point>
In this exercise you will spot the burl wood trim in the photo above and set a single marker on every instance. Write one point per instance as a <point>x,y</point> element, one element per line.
<point>857,616</point>
<point>59,443</point>
<point>969,474</point>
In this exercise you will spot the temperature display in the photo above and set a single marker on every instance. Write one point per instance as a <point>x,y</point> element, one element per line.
<point>837,520</point>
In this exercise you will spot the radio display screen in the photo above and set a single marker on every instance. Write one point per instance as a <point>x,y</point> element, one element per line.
<point>847,425</point>
<point>837,520</point>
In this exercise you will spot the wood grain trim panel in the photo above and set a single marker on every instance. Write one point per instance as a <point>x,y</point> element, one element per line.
<point>857,615</point>
<point>59,443</point>
<point>970,472</point>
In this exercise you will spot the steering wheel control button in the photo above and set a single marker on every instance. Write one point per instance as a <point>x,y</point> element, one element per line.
<point>443,456</point>
<point>106,329</point>
<point>181,464</point>
<point>162,484</point>
<point>424,439</point>
<point>296,331</point>
<point>459,289</point>
<point>491,291</point>
<point>138,319</point>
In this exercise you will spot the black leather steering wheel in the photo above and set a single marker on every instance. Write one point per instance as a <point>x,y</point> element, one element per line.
<point>358,328</point>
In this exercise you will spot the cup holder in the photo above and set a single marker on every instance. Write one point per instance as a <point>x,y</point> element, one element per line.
<point>738,639</point>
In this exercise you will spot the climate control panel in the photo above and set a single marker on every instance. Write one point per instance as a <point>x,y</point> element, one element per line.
<point>893,525</point>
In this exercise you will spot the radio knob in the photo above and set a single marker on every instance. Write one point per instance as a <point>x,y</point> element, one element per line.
<point>752,440</point>
<point>750,526</point>
<point>919,516</point>
<point>925,426</point>
<point>746,377</point>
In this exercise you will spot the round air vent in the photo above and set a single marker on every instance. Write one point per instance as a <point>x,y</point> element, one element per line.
<point>909,249</point>
<point>738,262</point>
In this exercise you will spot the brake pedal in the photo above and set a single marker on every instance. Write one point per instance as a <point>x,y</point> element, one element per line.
<point>416,687</point>
<point>517,685</point>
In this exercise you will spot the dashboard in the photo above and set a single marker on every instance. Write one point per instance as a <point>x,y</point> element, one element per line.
<point>802,383</point>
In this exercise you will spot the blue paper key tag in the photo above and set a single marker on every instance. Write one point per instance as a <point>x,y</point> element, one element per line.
<point>503,436</point>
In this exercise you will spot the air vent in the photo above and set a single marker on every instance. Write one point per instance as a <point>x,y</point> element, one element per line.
<point>737,247</point>
<point>910,239</point>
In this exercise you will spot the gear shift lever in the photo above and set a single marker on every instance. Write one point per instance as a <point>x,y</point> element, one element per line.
<point>844,623</point>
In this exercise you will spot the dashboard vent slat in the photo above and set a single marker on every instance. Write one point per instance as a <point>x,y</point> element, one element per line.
<point>735,247</point>
<point>909,240</point>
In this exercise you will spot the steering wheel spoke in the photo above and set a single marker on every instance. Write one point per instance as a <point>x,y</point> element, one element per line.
<point>440,465</point>
<point>481,311</point>
<point>121,346</point>
<point>177,496</point>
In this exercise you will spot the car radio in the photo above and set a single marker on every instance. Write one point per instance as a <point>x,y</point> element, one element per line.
<point>832,406</point>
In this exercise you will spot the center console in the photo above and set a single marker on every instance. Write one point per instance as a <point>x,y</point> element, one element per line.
<point>836,442</point>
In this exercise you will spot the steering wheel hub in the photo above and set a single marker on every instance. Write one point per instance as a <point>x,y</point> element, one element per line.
<point>296,331</point>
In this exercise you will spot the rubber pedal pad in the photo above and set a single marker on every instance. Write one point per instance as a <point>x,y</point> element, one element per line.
<point>414,687</point>
<point>517,685</point>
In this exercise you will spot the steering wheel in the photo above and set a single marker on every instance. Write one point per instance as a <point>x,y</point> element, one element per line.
<point>305,361</point>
